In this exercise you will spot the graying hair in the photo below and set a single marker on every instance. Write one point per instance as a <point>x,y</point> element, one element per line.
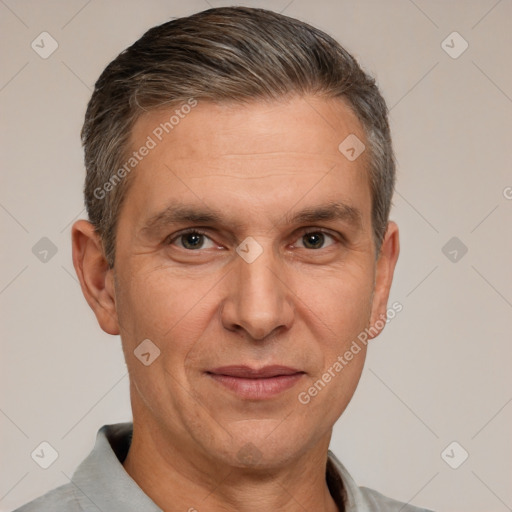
<point>228,54</point>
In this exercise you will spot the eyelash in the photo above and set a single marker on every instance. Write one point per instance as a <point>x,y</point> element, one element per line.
<point>169,241</point>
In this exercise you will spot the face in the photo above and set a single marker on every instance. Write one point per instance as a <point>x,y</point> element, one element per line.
<point>245,253</point>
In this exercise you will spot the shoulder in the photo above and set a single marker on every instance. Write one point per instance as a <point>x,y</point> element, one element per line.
<point>61,499</point>
<point>379,503</point>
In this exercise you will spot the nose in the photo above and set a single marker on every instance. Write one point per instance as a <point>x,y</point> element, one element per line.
<point>259,301</point>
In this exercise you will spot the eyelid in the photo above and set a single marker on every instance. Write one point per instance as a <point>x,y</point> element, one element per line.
<point>325,231</point>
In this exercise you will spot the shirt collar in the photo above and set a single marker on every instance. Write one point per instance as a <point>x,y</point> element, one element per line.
<point>103,480</point>
<point>354,499</point>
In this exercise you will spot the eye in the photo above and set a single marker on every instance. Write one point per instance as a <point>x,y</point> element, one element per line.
<point>315,239</point>
<point>192,239</point>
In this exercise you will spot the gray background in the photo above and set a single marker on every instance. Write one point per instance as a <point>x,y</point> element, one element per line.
<point>439,373</point>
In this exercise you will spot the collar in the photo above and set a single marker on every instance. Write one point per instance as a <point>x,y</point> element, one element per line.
<point>103,481</point>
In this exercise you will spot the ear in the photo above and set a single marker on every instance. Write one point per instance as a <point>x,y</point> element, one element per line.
<point>386,262</point>
<point>96,278</point>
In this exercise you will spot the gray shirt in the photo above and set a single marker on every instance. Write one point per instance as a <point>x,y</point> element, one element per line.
<point>101,484</point>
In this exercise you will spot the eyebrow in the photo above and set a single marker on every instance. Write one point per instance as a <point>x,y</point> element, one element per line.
<point>329,212</point>
<point>180,213</point>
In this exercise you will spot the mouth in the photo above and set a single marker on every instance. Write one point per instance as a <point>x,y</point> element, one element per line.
<point>256,384</point>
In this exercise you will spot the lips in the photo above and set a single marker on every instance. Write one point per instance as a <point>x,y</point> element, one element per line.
<point>246,372</point>
<point>256,384</point>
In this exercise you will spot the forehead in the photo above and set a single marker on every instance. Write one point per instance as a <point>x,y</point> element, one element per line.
<point>269,152</point>
<point>306,124</point>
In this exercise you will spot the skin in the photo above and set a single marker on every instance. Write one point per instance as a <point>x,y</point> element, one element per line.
<point>301,303</point>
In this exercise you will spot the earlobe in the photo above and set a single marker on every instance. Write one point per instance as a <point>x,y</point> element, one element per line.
<point>386,263</point>
<point>94,275</point>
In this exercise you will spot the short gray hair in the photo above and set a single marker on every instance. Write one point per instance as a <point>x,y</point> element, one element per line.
<point>227,54</point>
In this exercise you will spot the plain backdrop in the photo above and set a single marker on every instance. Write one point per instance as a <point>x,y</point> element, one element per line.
<point>439,373</point>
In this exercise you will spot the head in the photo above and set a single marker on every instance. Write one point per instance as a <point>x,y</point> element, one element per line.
<point>230,124</point>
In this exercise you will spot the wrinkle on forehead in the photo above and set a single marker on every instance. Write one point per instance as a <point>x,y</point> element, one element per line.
<point>255,128</point>
<point>282,152</point>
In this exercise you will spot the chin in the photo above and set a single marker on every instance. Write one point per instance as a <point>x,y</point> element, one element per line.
<point>263,444</point>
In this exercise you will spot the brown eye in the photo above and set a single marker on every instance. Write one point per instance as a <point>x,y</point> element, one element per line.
<point>315,240</point>
<point>192,240</point>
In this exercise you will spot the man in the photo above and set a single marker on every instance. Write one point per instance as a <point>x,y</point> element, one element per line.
<point>239,181</point>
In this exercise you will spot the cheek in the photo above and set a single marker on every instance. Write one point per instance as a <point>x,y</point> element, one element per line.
<point>325,397</point>
<point>171,311</point>
<point>159,305</point>
<point>339,300</point>
<point>338,310</point>
<point>168,311</point>
<point>339,315</point>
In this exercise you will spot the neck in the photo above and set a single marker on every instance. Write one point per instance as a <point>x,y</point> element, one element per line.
<point>176,478</point>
